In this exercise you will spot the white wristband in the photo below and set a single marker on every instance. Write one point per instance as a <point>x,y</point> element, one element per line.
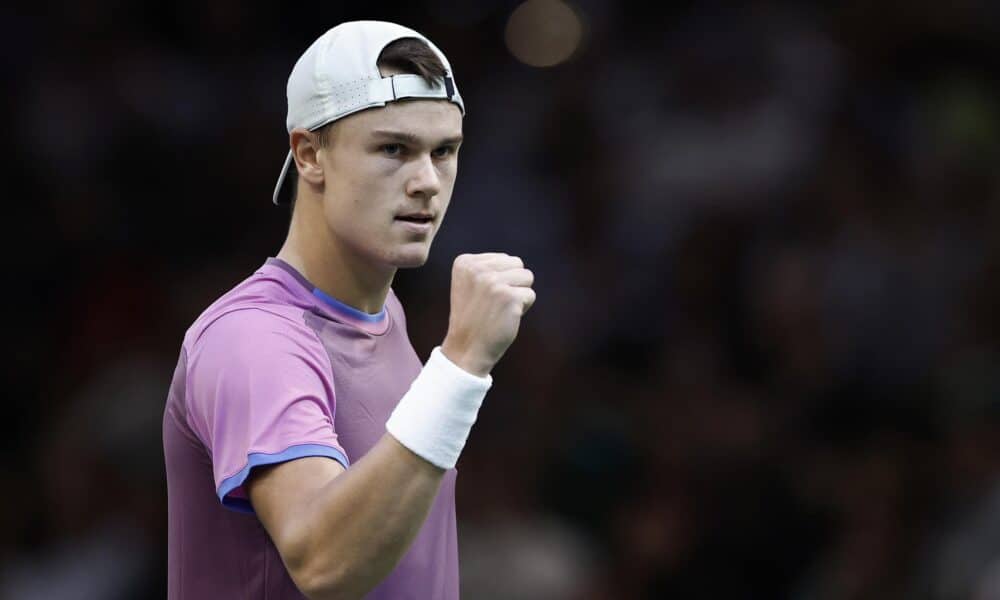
<point>434,418</point>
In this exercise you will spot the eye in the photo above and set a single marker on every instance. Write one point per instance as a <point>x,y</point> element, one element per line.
<point>444,151</point>
<point>392,149</point>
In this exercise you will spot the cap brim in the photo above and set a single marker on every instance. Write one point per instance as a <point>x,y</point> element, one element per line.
<point>283,189</point>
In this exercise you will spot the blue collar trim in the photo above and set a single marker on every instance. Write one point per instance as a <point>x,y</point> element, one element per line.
<point>350,311</point>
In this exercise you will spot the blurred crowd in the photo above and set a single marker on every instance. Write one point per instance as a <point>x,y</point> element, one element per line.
<point>765,357</point>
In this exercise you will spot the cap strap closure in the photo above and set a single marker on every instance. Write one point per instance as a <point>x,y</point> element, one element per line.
<point>397,87</point>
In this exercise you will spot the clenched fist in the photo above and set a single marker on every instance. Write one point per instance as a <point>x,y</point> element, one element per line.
<point>489,295</point>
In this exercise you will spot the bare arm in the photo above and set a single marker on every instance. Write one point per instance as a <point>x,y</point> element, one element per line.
<point>340,532</point>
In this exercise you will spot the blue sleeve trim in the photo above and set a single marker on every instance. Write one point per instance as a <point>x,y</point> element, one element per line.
<point>258,459</point>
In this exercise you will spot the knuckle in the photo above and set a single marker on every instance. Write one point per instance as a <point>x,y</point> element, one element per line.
<point>468,263</point>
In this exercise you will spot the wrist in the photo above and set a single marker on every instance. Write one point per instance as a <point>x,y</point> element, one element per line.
<point>465,360</point>
<point>434,417</point>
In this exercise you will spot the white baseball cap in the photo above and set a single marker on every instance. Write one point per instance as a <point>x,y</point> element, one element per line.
<point>338,76</point>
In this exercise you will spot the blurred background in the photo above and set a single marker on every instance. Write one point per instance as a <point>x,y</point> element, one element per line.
<point>764,359</point>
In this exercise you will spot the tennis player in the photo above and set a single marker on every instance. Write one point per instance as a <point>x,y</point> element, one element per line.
<point>308,451</point>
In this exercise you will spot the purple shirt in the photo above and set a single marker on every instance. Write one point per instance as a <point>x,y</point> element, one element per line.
<point>276,370</point>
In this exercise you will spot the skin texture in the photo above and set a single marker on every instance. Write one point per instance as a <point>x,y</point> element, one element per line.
<point>344,234</point>
<point>340,532</point>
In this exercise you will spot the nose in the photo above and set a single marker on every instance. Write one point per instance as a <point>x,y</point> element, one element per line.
<point>424,181</point>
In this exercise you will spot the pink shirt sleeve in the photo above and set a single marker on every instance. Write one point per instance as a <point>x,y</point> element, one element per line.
<point>260,392</point>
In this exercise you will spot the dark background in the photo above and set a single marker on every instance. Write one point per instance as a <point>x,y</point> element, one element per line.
<point>764,358</point>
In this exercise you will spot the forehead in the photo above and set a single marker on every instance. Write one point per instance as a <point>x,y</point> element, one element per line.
<point>430,120</point>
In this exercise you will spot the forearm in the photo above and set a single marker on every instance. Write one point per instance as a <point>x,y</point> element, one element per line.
<point>346,532</point>
<point>356,528</point>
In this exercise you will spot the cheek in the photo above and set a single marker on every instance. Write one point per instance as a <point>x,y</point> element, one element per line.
<point>359,192</point>
<point>377,175</point>
<point>447,187</point>
<point>449,172</point>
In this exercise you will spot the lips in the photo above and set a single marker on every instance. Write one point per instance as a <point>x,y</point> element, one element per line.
<point>420,217</point>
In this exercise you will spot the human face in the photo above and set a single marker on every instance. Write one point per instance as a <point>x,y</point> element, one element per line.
<point>388,177</point>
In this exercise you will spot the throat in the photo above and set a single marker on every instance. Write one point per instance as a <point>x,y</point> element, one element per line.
<point>344,276</point>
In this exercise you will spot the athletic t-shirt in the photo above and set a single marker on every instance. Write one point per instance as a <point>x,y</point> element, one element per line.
<point>276,370</point>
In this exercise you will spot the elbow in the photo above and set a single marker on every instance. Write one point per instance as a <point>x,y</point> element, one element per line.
<point>321,571</point>
<point>320,588</point>
<point>313,579</point>
<point>328,569</point>
<point>317,580</point>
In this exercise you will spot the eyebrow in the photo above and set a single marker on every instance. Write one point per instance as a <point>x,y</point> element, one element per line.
<point>404,136</point>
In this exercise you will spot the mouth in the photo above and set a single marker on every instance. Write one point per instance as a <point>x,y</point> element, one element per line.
<point>419,218</point>
<point>419,222</point>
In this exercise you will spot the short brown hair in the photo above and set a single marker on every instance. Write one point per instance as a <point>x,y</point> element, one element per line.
<point>407,55</point>
<point>410,55</point>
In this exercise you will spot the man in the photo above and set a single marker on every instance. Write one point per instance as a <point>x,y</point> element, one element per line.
<point>298,397</point>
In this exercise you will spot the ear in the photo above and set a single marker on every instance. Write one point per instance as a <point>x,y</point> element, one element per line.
<point>305,152</point>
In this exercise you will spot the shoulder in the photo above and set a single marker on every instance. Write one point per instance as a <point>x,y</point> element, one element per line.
<point>261,304</point>
<point>260,321</point>
<point>252,355</point>
<point>263,332</point>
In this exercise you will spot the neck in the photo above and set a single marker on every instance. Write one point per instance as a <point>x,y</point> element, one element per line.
<point>334,268</point>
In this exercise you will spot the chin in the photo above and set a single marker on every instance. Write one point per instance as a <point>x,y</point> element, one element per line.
<point>411,263</point>
<point>409,259</point>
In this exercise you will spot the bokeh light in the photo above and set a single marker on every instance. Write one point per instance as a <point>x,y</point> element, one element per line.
<point>544,33</point>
